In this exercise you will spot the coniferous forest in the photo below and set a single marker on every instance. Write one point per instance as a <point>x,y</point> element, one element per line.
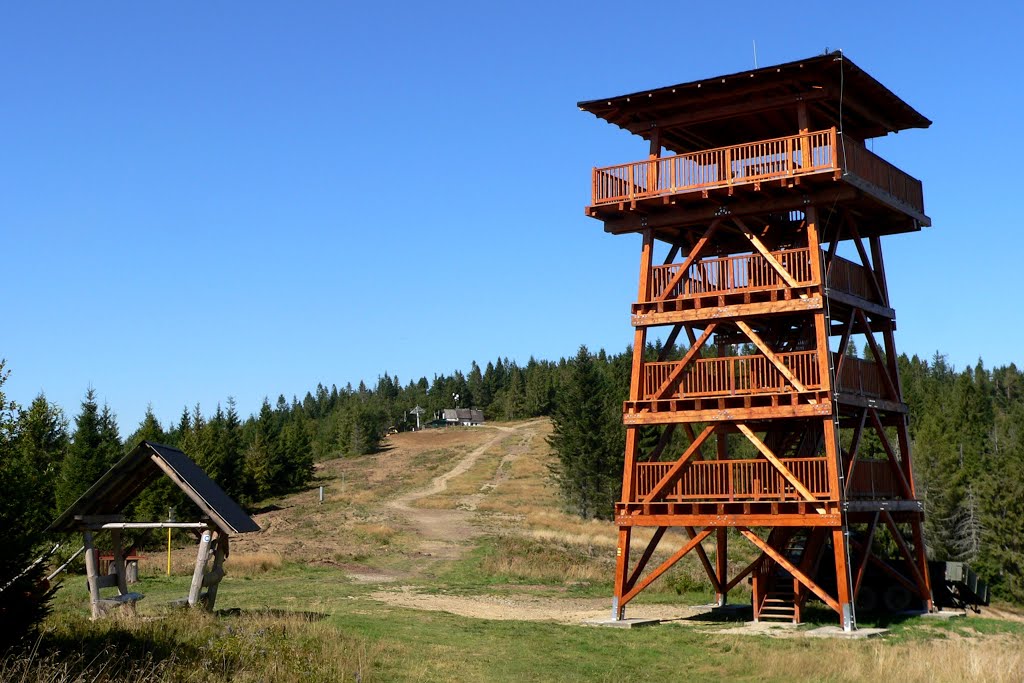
<point>967,435</point>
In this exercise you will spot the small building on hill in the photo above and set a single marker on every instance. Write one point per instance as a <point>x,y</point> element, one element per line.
<point>100,509</point>
<point>467,417</point>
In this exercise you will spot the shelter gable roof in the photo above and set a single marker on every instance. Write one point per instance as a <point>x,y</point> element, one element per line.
<point>112,492</point>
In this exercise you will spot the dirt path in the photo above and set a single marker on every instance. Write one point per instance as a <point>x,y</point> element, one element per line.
<point>444,532</point>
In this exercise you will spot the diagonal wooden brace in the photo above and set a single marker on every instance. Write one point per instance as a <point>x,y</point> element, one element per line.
<point>676,470</point>
<point>770,355</point>
<point>688,261</point>
<point>677,371</point>
<point>783,470</point>
<point>789,567</point>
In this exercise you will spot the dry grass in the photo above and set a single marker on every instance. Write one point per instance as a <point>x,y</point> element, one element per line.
<point>252,564</point>
<point>194,647</point>
<point>994,660</point>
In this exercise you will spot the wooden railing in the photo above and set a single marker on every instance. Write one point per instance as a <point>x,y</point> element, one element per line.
<point>742,273</point>
<point>733,375</point>
<point>873,479</point>
<point>872,168</point>
<point>851,277</point>
<point>737,164</point>
<point>754,162</point>
<point>862,377</point>
<point>730,480</point>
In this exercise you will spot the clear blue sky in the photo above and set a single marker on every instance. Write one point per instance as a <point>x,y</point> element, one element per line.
<point>200,200</point>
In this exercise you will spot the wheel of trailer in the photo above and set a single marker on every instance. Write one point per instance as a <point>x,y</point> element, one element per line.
<point>896,598</point>
<point>867,600</point>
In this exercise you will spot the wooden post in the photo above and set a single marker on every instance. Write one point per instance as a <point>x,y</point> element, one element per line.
<point>92,574</point>
<point>621,568</point>
<point>722,564</point>
<point>200,570</point>
<point>217,572</point>
<point>844,591</point>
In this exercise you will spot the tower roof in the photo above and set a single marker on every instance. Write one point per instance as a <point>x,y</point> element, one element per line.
<point>760,104</point>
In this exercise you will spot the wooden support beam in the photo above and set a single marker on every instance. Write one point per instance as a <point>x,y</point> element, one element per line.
<point>789,567</point>
<point>92,574</point>
<point>645,557</point>
<point>767,453</point>
<point>887,568</point>
<point>847,331</point>
<point>862,565</point>
<point>212,580</point>
<point>880,359</point>
<point>759,246</point>
<point>894,464</point>
<point>911,560</point>
<point>677,468</point>
<point>770,355</point>
<point>677,371</point>
<point>721,564</point>
<point>855,447</point>
<point>688,261</point>
<point>703,556</point>
<point>746,570</point>
<point>666,565</point>
<point>197,575</point>
<point>663,441</point>
<point>866,262</point>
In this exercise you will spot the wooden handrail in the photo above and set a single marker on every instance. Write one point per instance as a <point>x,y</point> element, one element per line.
<point>868,166</point>
<point>727,274</point>
<point>737,480</point>
<point>723,166</point>
<point>852,278</point>
<point>733,375</point>
<point>873,479</point>
<point>864,377</point>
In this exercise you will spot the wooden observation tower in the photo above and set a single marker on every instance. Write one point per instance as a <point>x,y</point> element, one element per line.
<point>753,415</point>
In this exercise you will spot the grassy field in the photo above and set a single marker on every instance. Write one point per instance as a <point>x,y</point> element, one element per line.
<point>398,577</point>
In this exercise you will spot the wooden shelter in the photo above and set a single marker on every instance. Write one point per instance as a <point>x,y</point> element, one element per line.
<point>101,509</point>
<point>752,183</point>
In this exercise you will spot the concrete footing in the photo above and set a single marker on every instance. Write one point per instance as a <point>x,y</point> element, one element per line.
<point>838,632</point>
<point>622,623</point>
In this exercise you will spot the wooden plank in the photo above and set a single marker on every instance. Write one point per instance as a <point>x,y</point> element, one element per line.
<point>729,414</point>
<point>729,312</point>
<point>767,453</point>
<point>788,566</point>
<point>730,519</point>
<point>106,581</point>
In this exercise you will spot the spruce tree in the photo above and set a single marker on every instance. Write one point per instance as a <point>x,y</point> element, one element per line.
<point>23,595</point>
<point>86,460</point>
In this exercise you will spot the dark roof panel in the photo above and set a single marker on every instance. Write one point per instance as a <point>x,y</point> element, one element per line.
<point>112,492</point>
